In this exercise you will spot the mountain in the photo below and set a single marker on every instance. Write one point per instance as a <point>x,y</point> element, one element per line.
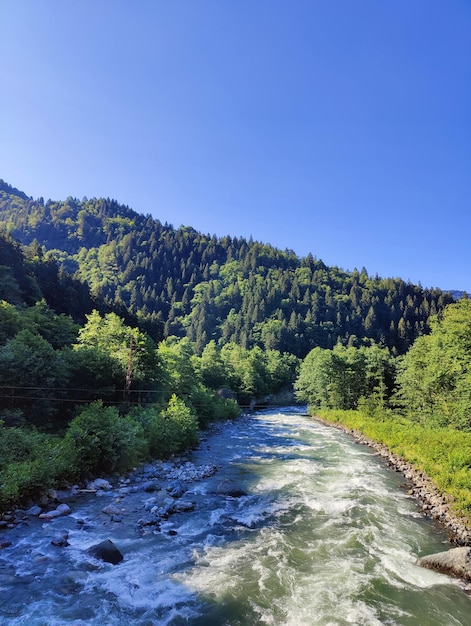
<point>182,282</point>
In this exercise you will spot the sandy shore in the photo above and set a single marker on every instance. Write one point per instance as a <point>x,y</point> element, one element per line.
<point>433,502</point>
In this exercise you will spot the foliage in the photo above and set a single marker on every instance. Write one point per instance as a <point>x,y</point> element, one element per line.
<point>171,429</point>
<point>250,373</point>
<point>104,441</point>
<point>343,377</point>
<point>31,372</point>
<point>31,462</point>
<point>435,375</point>
<point>184,283</point>
<point>128,346</point>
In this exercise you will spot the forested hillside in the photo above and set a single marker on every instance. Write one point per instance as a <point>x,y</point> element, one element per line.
<point>118,335</point>
<point>177,281</point>
<point>86,391</point>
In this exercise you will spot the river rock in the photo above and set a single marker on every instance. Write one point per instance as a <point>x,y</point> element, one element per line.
<point>99,484</point>
<point>181,506</point>
<point>111,510</point>
<point>149,486</point>
<point>454,562</point>
<point>228,487</point>
<point>61,539</point>
<point>62,509</point>
<point>49,515</point>
<point>34,510</point>
<point>148,521</point>
<point>176,489</point>
<point>106,551</point>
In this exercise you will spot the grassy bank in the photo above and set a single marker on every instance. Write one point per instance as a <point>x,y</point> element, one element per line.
<point>443,454</point>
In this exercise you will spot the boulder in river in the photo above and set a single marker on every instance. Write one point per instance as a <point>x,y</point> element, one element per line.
<point>99,484</point>
<point>228,487</point>
<point>149,486</point>
<point>34,510</point>
<point>454,562</point>
<point>61,539</point>
<point>181,506</point>
<point>62,509</point>
<point>176,488</point>
<point>106,551</point>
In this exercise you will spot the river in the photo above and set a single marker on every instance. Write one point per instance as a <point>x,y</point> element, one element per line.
<point>326,535</point>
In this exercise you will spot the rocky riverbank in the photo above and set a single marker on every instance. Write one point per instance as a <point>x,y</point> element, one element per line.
<point>433,503</point>
<point>145,497</point>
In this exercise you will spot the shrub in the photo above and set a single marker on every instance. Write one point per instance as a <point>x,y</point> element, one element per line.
<point>102,440</point>
<point>31,463</point>
<point>172,429</point>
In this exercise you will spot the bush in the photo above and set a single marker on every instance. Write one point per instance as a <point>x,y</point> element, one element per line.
<point>31,463</point>
<point>172,429</point>
<point>102,440</point>
<point>210,407</point>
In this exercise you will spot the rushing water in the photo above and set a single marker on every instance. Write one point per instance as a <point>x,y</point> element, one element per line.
<point>325,536</point>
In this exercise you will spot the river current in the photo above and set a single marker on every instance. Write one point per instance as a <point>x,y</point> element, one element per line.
<point>326,535</point>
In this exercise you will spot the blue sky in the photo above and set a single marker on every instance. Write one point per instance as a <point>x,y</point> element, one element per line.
<point>336,127</point>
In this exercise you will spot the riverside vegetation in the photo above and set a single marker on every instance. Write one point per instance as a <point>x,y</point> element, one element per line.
<point>117,331</point>
<point>419,405</point>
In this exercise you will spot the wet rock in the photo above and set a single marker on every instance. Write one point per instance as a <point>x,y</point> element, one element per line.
<point>148,521</point>
<point>106,551</point>
<point>35,510</point>
<point>150,503</point>
<point>181,506</point>
<point>49,515</point>
<point>190,472</point>
<point>99,484</point>
<point>64,509</point>
<point>176,489</point>
<point>61,510</point>
<point>165,509</point>
<point>149,486</point>
<point>5,544</point>
<point>228,487</point>
<point>455,562</point>
<point>61,539</point>
<point>111,510</point>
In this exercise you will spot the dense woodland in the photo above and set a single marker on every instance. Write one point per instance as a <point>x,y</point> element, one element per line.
<point>121,337</point>
<point>183,283</point>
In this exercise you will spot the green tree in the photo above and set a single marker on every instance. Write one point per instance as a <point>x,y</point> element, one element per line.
<point>130,348</point>
<point>435,373</point>
<point>32,376</point>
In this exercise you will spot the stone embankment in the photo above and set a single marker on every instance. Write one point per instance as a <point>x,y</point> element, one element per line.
<point>433,503</point>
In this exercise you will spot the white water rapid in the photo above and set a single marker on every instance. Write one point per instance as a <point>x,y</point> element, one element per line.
<point>325,536</point>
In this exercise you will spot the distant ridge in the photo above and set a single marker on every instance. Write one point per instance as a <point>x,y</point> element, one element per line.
<point>458,295</point>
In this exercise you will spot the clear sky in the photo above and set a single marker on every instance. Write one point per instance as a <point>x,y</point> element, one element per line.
<point>336,127</point>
